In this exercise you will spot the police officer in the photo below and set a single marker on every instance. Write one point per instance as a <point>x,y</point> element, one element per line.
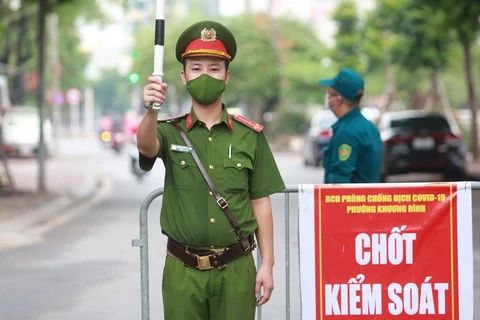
<point>209,271</point>
<point>354,153</point>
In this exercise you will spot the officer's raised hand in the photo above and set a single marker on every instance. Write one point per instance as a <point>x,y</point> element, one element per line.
<point>154,92</point>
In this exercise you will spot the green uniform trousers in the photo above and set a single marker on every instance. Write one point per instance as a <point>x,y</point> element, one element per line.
<point>226,294</point>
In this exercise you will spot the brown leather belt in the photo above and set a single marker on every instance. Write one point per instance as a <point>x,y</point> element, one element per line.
<point>202,259</point>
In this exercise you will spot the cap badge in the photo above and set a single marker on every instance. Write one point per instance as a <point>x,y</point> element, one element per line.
<point>208,34</point>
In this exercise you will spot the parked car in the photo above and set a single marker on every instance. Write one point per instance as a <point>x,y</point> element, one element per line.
<point>317,137</point>
<point>21,131</point>
<point>417,141</point>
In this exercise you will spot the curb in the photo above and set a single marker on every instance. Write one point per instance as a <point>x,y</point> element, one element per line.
<point>32,226</point>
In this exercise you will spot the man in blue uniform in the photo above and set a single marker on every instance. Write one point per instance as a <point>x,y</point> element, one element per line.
<point>354,154</point>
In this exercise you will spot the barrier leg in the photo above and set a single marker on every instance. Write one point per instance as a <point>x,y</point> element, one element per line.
<point>287,256</point>
<point>143,244</point>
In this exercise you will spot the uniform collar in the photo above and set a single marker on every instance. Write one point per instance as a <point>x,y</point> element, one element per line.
<point>225,118</point>
<point>349,115</point>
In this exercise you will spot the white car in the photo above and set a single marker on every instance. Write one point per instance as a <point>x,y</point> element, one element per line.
<point>21,131</point>
<point>317,137</point>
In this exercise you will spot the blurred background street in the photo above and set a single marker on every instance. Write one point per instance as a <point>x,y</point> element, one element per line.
<point>71,79</point>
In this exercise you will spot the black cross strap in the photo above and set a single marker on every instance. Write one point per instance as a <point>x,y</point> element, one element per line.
<point>222,203</point>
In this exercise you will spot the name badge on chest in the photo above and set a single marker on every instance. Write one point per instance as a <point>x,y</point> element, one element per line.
<point>178,148</point>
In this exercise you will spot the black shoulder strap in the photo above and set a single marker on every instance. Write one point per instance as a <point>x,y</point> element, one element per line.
<point>222,203</point>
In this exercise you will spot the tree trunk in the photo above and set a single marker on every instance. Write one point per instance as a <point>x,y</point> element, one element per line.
<point>390,88</point>
<point>40,95</point>
<point>435,101</point>
<point>471,97</point>
<point>3,156</point>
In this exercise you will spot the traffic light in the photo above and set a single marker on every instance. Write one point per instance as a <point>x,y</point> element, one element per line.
<point>135,54</point>
<point>133,78</point>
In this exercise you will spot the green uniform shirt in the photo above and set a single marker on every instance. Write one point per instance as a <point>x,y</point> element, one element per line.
<point>354,153</point>
<point>190,214</point>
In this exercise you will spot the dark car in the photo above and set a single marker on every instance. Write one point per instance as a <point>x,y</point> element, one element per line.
<point>317,137</point>
<point>417,141</point>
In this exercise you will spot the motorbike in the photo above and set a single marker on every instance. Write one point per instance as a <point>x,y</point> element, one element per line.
<point>113,140</point>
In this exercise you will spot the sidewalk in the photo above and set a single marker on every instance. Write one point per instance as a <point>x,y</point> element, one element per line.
<point>63,177</point>
<point>69,184</point>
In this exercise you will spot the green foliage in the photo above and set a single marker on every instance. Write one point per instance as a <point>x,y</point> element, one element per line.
<point>348,48</point>
<point>302,66</point>
<point>289,120</point>
<point>112,91</point>
<point>72,61</point>
<point>423,45</point>
<point>255,76</point>
<point>459,15</point>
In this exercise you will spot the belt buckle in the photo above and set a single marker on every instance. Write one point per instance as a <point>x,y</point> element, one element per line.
<point>222,203</point>
<point>203,263</point>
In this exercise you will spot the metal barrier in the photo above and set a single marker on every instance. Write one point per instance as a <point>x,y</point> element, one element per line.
<point>143,244</point>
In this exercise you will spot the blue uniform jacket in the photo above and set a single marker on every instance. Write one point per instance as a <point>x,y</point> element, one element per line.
<point>354,154</point>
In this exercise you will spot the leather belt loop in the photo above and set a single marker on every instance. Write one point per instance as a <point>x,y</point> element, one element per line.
<point>240,235</point>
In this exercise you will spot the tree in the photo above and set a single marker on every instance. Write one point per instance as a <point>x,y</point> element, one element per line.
<point>75,8</point>
<point>255,74</point>
<point>348,51</point>
<point>112,91</point>
<point>423,46</point>
<point>306,60</point>
<point>461,16</point>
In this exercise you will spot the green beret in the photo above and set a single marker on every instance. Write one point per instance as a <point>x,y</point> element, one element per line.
<point>206,38</point>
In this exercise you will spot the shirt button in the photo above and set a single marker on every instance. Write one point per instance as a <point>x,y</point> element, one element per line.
<point>182,163</point>
<point>239,165</point>
<point>210,166</point>
<point>210,138</point>
<point>212,220</point>
<point>210,193</point>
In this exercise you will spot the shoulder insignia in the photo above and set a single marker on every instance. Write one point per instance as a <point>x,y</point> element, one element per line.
<point>173,119</point>
<point>344,152</point>
<point>247,122</point>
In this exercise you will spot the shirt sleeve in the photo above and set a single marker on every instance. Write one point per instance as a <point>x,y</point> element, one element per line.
<point>344,159</point>
<point>146,163</point>
<point>265,178</point>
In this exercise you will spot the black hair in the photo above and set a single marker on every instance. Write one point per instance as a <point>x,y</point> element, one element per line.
<point>354,103</point>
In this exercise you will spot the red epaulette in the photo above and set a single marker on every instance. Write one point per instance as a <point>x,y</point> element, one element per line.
<point>247,122</point>
<point>170,119</point>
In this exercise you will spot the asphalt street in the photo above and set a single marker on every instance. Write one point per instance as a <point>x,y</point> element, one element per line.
<point>88,269</point>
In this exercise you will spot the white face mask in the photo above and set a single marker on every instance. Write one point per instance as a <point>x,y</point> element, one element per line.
<point>327,104</point>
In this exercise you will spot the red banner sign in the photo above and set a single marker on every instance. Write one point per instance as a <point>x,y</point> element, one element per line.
<point>385,252</point>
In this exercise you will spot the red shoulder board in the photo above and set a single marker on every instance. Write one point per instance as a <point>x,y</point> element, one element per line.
<point>172,119</point>
<point>247,122</point>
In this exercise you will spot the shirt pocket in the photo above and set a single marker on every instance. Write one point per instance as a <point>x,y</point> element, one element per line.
<point>185,172</point>
<point>236,173</point>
